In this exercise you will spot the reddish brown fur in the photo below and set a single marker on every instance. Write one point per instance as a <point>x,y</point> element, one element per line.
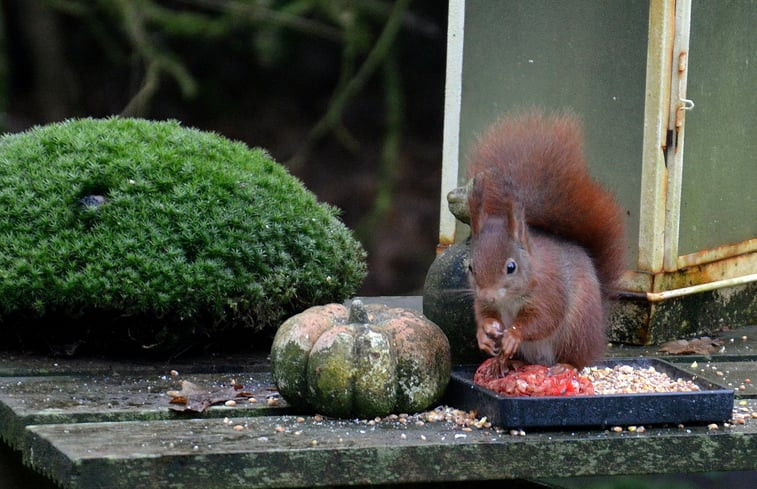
<point>539,161</point>
<point>534,202</point>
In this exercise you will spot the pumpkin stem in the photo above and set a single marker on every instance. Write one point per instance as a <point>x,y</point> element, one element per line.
<point>358,314</point>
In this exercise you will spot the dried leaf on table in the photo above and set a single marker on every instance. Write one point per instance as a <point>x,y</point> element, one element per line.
<point>701,346</point>
<point>196,398</point>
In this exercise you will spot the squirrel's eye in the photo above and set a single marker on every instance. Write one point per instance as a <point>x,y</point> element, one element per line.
<point>470,268</point>
<point>511,266</point>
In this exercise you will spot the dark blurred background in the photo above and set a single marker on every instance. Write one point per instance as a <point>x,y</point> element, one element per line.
<point>347,94</point>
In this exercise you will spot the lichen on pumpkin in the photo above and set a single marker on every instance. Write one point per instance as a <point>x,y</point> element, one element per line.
<point>376,384</point>
<point>380,361</point>
<point>331,372</point>
<point>293,387</point>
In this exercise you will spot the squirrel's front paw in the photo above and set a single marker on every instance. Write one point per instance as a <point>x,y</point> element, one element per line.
<point>489,334</point>
<point>510,342</point>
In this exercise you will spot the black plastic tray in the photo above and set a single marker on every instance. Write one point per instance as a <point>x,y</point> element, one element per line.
<point>712,403</point>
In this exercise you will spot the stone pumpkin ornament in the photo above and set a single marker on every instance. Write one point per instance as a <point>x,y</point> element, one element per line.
<point>365,361</point>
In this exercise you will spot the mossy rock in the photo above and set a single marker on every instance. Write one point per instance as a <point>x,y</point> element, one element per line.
<point>154,235</point>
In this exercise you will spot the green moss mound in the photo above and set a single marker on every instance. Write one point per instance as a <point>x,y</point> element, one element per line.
<point>151,234</point>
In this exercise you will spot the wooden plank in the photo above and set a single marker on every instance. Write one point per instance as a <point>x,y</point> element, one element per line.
<point>25,364</point>
<point>280,451</point>
<point>105,392</point>
<point>103,423</point>
<point>412,302</point>
<point>107,397</point>
<point>14,475</point>
<point>738,375</point>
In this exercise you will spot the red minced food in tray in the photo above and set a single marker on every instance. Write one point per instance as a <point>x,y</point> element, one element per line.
<point>711,403</point>
<point>533,381</point>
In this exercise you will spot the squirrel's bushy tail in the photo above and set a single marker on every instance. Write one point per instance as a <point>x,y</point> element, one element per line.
<point>538,160</point>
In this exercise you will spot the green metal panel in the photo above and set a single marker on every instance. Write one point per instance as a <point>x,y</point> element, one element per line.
<point>584,55</point>
<point>719,197</point>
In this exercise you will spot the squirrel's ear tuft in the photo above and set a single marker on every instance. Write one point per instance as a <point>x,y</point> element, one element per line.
<point>516,222</point>
<point>476,204</point>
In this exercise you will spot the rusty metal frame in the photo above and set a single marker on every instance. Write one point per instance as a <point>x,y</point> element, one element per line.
<point>654,178</point>
<point>676,128</point>
<point>662,272</point>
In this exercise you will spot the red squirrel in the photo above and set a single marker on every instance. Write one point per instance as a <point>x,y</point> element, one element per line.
<point>546,243</point>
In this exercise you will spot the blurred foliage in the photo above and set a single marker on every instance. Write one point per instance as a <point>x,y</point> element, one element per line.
<point>366,30</point>
<point>3,75</point>
<point>346,93</point>
<point>145,22</point>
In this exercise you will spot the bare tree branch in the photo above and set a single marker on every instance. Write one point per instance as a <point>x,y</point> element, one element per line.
<point>373,60</point>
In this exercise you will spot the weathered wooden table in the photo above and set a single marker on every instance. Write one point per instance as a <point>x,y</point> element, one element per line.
<point>106,423</point>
